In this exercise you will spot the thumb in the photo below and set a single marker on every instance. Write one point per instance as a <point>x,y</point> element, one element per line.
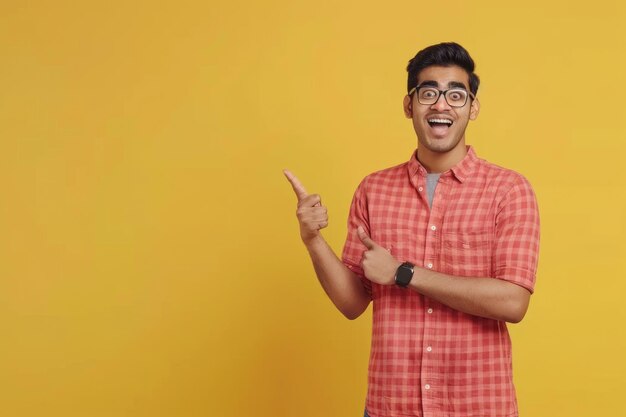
<point>297,186</point>
<point>367,241</point>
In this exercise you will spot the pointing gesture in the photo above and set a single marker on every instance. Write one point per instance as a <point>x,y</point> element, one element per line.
<point>378,263</point>
<point>297,186</point>
<point>312,216</point>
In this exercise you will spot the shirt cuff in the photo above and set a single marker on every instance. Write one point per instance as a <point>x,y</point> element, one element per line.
<point>522,277</point>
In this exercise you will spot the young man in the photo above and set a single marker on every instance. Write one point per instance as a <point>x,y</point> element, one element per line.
<point>446,247</point>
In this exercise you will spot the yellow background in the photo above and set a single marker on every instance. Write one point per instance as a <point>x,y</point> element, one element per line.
<point>150,263</point>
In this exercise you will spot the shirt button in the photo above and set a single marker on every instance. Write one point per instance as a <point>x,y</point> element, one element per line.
<point>433,227</point>
<point>429,349</point>
<point>420,189</point>
<point>429,265</point>
<point>430,311</point>
<point>427,386</point>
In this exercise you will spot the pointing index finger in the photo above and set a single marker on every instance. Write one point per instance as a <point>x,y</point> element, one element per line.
<point>297,186</point>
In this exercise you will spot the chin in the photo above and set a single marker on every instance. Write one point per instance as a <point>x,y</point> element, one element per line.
<point>440,145</point>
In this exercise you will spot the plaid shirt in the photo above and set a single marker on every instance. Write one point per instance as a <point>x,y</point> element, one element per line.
<point>428,359</point>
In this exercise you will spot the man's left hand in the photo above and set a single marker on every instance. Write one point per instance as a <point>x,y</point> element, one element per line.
<point>378,264</point>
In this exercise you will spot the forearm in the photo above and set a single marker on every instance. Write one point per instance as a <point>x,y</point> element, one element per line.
<point>480,296</point>
<point>485,297</point>
<point>342,286</point>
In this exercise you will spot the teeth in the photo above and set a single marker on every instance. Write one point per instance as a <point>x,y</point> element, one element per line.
<point>440,121</point>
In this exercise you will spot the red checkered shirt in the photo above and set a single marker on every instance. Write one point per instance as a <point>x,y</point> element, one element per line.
<point>428,359</point>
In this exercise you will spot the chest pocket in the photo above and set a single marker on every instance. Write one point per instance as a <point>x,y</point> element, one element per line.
<point>466,253</point>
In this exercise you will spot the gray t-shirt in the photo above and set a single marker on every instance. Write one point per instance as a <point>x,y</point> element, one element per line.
<point>431,184</point>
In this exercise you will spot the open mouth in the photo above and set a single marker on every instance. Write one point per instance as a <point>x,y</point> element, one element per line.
<point>440,122</point>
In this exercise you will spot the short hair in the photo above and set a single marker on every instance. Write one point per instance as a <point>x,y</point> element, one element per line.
<point>444,54</point>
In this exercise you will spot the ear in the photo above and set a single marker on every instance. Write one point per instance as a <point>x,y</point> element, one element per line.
<point>474,109</point>
<point>408,107</point>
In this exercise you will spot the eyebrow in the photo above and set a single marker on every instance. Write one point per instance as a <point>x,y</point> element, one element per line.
<point>451,84</point>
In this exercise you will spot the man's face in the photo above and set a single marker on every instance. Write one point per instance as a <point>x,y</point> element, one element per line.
<point>440,127</point>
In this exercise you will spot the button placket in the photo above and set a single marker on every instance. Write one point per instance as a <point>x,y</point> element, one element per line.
<point>430,371</point>
<point>433,236</point>
<point>428,367</point>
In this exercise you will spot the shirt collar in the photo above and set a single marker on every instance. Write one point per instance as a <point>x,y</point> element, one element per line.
<point>460,171</point>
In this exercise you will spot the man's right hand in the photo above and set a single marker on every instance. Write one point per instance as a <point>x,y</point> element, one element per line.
<point>312,216</point>
<point>342,285</point>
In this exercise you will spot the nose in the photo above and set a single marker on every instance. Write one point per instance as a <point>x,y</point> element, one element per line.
<point>441,104</point>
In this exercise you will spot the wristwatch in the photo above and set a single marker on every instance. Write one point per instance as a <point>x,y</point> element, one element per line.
<point>404,274</point>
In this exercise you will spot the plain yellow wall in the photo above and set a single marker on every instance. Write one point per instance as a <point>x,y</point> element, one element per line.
<point>150,263</point>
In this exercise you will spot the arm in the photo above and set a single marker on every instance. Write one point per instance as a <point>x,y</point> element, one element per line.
<point>481,296</point>
<point>342,286</point>
<point>485,297</point>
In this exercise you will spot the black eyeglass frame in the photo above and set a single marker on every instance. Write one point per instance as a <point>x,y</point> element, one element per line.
<point>439,93</point>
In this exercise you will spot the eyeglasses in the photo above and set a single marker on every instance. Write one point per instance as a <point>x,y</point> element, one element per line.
<point>455,97</point>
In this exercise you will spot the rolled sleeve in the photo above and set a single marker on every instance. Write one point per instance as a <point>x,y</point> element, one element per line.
<point>354,248</point>
<point>516,249</point>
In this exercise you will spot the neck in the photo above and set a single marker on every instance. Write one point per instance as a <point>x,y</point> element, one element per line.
<point>438,162</point>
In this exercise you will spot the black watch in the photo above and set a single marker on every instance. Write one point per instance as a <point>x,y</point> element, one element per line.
<point>404,274</point>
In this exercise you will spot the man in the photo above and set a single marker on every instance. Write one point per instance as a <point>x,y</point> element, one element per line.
<point>446,247</point>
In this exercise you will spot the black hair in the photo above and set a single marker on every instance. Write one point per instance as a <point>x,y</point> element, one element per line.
<point>444,54</point>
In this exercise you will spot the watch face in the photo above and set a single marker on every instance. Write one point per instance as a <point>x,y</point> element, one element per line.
<point>404,274</point>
